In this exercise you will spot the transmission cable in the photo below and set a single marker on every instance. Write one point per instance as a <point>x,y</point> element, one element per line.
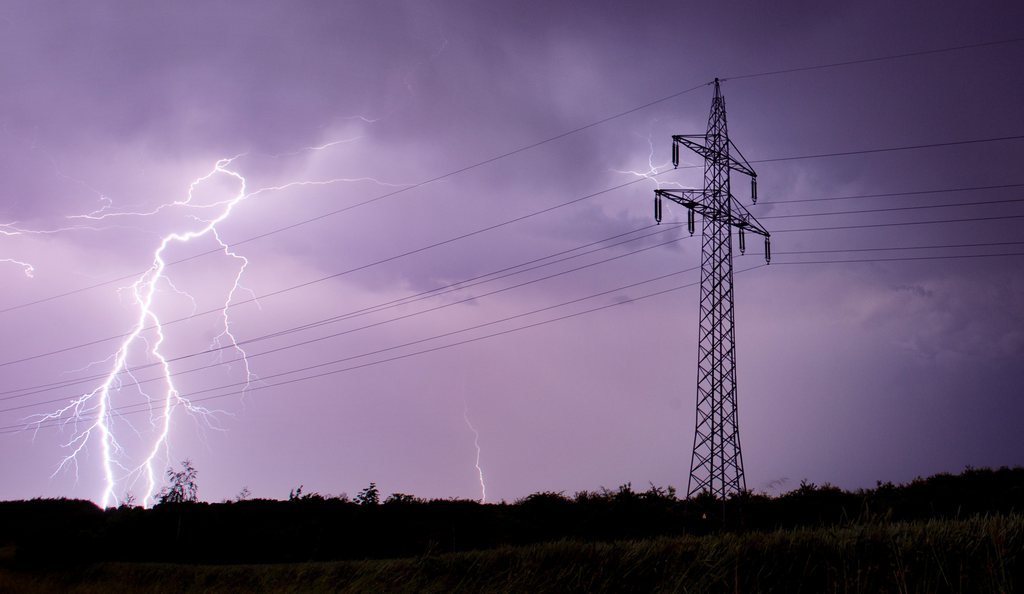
<point>335,275</point>
<point>148,407</point>
<point>526,148</point>
<point>906,258</point>
<point>50,387</point>
<point>508,221</point>
<point>249,387</point>
<point>965,220</point>
<point>118,410</point>
<point>893,194</point>
<point>255,299</point>
<point>904,247</point>
<point>46,388</point>
<point>876,59</point>
<point>890,209</point>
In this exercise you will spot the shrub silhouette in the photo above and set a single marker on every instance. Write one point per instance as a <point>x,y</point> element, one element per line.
<point>312,527</point>
<point>183,487</point>
<point>398,498</point>
<point>297,495</point>
<point>368,496</point>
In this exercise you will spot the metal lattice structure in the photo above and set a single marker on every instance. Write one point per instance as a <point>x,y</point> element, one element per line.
<point>716,466</point>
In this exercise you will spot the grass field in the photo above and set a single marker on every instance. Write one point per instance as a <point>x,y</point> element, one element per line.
<point>982,554</point>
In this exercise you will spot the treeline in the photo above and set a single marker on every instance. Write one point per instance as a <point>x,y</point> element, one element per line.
<point>312,527</point>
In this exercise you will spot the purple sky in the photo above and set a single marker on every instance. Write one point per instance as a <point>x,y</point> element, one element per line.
<point>848,372</point>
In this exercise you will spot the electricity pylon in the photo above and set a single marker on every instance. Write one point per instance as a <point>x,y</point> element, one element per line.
<point>717,462</point>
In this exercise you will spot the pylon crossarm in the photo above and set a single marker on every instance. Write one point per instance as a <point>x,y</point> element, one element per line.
<point>709,154</point>
<point>691,199</point>
<point>742,218</point>
<point>697,200</point>
<point>742,165</point>
<point>687,198</point>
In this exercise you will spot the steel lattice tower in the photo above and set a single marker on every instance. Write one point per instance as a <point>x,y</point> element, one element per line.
<point>716,465</point>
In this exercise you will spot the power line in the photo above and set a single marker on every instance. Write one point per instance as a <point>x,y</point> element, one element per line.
<point>544,322</point>
<point>406,300</point>
<point>891,149</point>
<point>891,209</point>
<point>434,337</point>
<point>613,117</point>
<point>336,274</point>
<point>382,261</point>
<point>966,220</point>
<point>147,408</point>
<point>49,387</point>
<point>485,229</point>
<point>393,193</point>
<point>33,390</point>
<point>124,410</point>
<point>910,193</point>
<point>907,258</point>
<point>479,230</point>
<point>371,309</point>
<point>526,148</point>
<point>908,247</point>
<point>876,59</point>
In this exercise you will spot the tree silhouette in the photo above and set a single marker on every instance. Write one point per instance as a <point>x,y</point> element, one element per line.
<point>368,496</point>
<point>183,487</point>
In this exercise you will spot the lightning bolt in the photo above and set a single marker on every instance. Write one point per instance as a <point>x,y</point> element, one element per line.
<point>8,229</point>
<point>97,404</point>
<point>26,268</point>
<point>652,170</point>
<point>326,145</point>
<point>476,444</point>
<point>92,416</point>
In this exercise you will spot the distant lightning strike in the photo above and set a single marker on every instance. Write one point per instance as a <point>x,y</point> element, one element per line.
<point>26,268</point>
<point>9,230</point>
<point>476,444</point>
<point>652,170</point>
<point>326,145</point>
<point>93,415</point>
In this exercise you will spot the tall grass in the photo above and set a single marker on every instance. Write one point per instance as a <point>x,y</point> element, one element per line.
<point>980,554</point>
